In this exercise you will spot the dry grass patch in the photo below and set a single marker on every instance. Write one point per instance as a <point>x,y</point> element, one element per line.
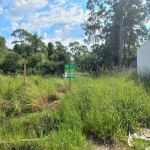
<point>54,105</point>
<point>63,88</point>
<point>42,102</point>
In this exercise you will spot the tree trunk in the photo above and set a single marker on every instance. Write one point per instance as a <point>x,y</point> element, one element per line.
<point>120,42</point>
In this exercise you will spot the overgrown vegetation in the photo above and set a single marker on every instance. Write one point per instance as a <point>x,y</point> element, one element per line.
<point>103,105</point>
<point>44,114</point>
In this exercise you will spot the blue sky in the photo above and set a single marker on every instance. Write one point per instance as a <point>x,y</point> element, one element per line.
<point>55,20</point>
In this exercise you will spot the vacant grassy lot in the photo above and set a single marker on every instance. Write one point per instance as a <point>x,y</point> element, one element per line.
<point>45,115</point>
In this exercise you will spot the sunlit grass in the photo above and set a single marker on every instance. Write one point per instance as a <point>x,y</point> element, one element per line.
<point>45,114</point>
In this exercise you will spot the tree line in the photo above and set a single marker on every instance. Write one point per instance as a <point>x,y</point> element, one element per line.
<point>41,59</point>
<point>113,31</point>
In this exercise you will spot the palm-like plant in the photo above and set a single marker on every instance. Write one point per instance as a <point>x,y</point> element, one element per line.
<point>36,42</point>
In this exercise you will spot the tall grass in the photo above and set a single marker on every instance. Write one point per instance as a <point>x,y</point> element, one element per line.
<point>44,114</point>
<point>16,98</point>
<point>116,97</point>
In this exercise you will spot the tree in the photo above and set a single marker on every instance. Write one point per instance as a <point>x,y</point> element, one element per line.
<point>20,36</point>
<point>11,63</point>
<point>93,28</point>
<point>117,22</point>
<point>60,47</point>
<point>3,47</point>
<point>61,52</point>
<point>58,56</point>
<point>35,60</point>
<point>78,52</point>
<point>2,42</point>
<point>36,42</point>
<point>50,49</point>
<point>17,48</point>
<point>21,42</point>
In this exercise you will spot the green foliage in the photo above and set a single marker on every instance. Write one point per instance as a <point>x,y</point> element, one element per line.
<point>118,25</point>
<point>104,109</point>
<point>3,53</point>
<point>140,145</point>
<point>11,62</point>
<point>79,54</point>
<point>66,139</point>
<point>36,42</point>
<point>42,59</point>
<point>24,51</point>
<point>48,67</point>
<point>20,36</point>
<point>35,60</point>
<point>50,49</point>
<point>108,107</point>
<point>2,42</point>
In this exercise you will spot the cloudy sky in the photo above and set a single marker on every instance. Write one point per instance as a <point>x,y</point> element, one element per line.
<point>55,20</point>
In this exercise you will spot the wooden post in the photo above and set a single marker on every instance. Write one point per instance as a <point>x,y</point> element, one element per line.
<point>69,79</point>
<point>69,84</point>
<point>120,42</point>
<point>25,78</point>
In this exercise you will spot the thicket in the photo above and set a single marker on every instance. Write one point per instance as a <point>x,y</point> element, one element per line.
<point>44,114</point>
<point>50,59</point>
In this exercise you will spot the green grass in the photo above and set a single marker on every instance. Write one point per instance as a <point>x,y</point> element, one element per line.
<point>44,114</point>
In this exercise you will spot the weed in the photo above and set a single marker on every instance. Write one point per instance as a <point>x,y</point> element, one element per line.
<point>104,108</point>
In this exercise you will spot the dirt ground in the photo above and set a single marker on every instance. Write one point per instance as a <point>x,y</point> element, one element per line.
<point>109,148</point>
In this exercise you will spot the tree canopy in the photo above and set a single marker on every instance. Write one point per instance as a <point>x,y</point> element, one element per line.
<point>118,25</point>
<point>113,30</point>
<point>41,59</point>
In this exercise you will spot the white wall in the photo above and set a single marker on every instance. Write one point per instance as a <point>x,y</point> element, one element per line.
<point>143,59</point>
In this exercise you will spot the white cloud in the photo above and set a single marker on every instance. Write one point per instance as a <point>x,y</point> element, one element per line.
<point>1,10</point>
<point>61,1</point>
<point>65,41</point>
<point>63,14</point>
<point>63,35</point>
<point>58,13</point>
<point>45,35</point>
<point>8,43</point>
<point>14,25</point>
<point>58,33</point>
<point>22,8</point>
<point>39,32</point>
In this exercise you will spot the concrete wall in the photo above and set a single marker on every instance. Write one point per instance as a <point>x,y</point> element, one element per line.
<point>143,59</point>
